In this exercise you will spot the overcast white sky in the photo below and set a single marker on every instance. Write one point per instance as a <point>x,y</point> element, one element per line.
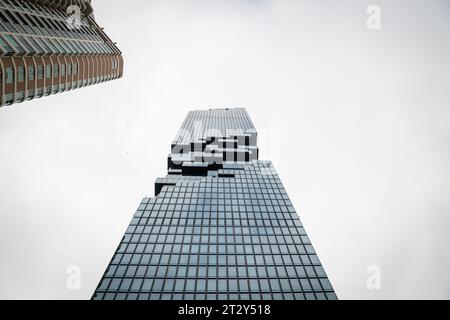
<point>355,120</point>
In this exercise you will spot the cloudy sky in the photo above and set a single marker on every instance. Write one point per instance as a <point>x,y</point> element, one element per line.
<point>355,120</point>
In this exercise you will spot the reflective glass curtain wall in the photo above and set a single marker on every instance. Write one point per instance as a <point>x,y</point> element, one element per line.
<point>221,226</point>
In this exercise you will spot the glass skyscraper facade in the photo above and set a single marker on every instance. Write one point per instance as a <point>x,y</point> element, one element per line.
<point>52,46</point>
<point>220,227</point>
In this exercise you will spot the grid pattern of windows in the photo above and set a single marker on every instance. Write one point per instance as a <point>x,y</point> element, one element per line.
<point>201,124</point>
<point>219,238</point>
<point>216,230</point>
<point>40,29</point>
<point>211,137</point>
<point>54,33</point>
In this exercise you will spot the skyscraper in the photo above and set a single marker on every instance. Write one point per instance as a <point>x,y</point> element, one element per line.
<point>52,46</point>
<point>220,227</point>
